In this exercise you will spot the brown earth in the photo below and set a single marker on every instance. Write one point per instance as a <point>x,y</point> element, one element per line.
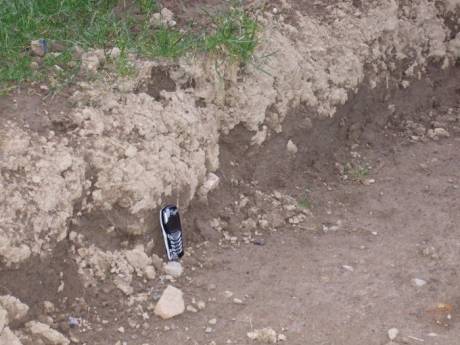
<point>347,278</point>
<point>382,205</point>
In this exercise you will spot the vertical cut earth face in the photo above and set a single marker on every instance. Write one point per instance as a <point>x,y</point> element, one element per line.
<point>135,144</point>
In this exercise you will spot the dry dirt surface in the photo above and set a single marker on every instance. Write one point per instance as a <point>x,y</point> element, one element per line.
<point>323,230</point>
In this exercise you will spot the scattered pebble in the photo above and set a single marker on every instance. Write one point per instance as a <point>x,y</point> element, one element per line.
<point>393,333</point>
<point>419,282</point>
<point>201,305</point>
<point>192,309</point>
<point>237,301</point>
<point>212,321</point>
<point>291,147</point>
<point>121,329</point>
<point>348,268</point>
<point>228,294</point>
<point>208,330</point>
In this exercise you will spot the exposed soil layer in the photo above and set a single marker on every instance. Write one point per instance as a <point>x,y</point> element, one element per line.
<point>340,280</point>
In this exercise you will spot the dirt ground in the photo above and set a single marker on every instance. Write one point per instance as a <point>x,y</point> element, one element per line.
<point>352,233</point>
<point>345,278</point>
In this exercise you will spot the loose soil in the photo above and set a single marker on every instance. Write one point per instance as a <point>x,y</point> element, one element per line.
<point>345,280</point>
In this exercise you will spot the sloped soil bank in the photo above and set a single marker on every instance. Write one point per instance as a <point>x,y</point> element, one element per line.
<point>296,221</point>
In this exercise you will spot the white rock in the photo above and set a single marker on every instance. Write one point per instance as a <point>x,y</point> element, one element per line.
<point>441,133</point>
<point>393,333</point>
<point>115,53</point>
<point>291,147</point>
<point>208,330</point>
<point>237,301</point>
<point>418,282</point>
<point>281,337</point>
<point>8,338</point>
<point>265,335</point>
<point>90,61</point>
<point>173,268</point>
<point>192,309</point>
<point>15,308</point>
<point>201,305</point>
<point>212,321</point>
<point>348,268</point>
<point>46,334</point>
<point>171,303</point>
<point>150,272</point>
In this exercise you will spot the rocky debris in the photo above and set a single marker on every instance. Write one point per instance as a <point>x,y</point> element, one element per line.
<point>7,337</point>
<point>201,305</point>
<point>282,337</point>
<point>393,333</point>
<point>171,303</point>
<point>211,183</point>
<point>212,321</point>
<point>454,46</point>
<point>291,147</point>
<point>173,268</point>
<point>192,309</point>
<point>265,335</point>
<point>46,334</point>
<point>15,308</point>
<point>237,301</point>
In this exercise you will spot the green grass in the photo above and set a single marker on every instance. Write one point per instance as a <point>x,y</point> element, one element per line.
<point>95,24</point>
<point>357,173</point>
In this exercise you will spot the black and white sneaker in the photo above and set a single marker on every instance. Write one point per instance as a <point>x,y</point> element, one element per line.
<point>172,232</point>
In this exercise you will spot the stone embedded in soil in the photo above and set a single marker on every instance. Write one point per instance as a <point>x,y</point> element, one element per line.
<point>171,303</point>
<point>291,147</point>
<point>15,308</point>
<point>419,282</point>
<point>264,335</point>
<point>37,48</point>
<point>7,337</point>
<point>173,268</point>
<point>46,334</point>
<point>90,61</point>
<point>393,333</point>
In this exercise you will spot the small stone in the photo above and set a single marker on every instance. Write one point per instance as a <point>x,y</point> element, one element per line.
<point>291,147</point>
<point>393,333</point>
<point>201,305</point>
<point>121,329</point>
<point>419,282</point>
<point>348,268</point>
<point>208,330</point>
<point>237,301</point>
<point>39,47</point>
<point>173,268</point>
<point>212,321</point>
<point>368,181</point>
<point>281,337</point>
<point>228,294</point>
<point>441,133</point>
<point>192,309</point>
<point>171,303</point>
<point>115,53</point>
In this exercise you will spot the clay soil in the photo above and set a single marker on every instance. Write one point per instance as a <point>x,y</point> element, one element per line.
<point>346,279</point>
